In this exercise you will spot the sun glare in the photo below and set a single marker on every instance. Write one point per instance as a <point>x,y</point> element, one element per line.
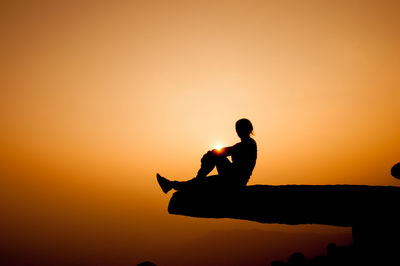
<point>218,147</point>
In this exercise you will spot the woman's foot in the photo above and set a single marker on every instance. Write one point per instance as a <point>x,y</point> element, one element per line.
<point>164,183</point>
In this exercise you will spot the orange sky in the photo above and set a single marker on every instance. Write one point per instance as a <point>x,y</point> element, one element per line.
<point>100,96</point>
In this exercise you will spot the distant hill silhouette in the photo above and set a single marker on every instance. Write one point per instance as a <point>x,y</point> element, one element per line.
<point>335,256</point>
<point>371,211</point>
<point>146,263</point>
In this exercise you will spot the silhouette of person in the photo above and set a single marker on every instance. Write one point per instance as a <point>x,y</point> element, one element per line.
<point>231,175</point>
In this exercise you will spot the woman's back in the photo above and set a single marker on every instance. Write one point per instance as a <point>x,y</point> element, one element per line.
<point>244,156</point>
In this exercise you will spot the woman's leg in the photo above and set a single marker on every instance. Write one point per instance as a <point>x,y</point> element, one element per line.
<point>209,182</point>
<point>183,185</point>
<point>208,162</point>
<point>224,166</point>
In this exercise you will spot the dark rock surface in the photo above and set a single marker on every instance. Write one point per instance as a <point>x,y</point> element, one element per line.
<point>341,205</point>
<point>371,211</point>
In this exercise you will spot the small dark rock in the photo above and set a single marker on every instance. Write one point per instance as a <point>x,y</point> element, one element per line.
<point>297,259</point>
<point>396,171</point>
<point>146,263</point>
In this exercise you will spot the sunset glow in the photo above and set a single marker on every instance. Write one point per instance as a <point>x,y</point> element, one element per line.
<point>96,98</point>
<point>218,147</point>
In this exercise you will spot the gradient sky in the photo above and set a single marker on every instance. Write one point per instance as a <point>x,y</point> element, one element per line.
<point>96,97</point>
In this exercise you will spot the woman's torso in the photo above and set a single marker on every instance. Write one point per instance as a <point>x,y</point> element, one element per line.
<point>244,156</point>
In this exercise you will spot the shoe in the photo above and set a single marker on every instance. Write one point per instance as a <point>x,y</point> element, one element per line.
<point>164,183</point>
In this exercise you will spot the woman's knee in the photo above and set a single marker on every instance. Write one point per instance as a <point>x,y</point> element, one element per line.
<point>208,157</point>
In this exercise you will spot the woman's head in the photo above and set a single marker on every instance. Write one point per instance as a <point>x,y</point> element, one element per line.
<point>244,128</point>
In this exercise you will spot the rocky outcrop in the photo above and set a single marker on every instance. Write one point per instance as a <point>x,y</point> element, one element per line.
<point>371,211</point>
<point>341,205</point>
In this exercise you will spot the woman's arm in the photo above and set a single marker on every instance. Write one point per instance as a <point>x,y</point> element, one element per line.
<point>227,151</point>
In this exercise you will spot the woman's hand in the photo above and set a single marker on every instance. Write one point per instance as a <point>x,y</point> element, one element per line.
<point>218,152</point>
